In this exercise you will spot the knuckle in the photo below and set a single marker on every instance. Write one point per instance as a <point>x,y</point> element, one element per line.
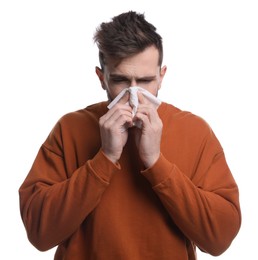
<point>104,124</point>
<point>101,121</point>
<point>107,126</point>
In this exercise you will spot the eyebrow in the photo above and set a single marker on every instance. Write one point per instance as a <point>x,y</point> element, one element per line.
<point>118,76</point>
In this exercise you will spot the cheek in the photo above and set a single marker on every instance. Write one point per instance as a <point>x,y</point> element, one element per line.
<point>152,89</point>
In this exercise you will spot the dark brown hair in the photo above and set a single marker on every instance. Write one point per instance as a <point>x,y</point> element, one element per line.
<point>127,34</point>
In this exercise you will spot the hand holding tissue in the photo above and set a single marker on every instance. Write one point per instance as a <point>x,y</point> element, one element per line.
<point>133,101</point>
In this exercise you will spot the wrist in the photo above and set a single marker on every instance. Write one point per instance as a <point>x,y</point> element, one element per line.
<point>150,161</point>
<point>110,157</point>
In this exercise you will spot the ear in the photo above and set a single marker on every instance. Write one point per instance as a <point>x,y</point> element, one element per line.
<point>100,75</point>
<point>163,71</point>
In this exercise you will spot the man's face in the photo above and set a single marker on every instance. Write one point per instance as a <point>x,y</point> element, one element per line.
<point>140,70</point>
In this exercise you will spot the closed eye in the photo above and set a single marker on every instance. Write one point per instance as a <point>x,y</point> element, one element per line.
<point>119,80</point>
<point>144,81</point>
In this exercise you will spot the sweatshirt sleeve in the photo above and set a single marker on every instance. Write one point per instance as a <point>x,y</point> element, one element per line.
<point>205,206</point>
<point>53,202</point>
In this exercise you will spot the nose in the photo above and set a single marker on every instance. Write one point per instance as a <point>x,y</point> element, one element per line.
<point>133,83</point>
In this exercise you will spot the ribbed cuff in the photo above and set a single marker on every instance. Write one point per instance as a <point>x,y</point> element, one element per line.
<point>102,167</point>
<point>159,172</point>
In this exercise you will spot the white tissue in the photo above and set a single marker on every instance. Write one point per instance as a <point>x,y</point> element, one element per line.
<point>133,100</point>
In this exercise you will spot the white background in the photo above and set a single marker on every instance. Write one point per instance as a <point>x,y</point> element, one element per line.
<point>47,68</point>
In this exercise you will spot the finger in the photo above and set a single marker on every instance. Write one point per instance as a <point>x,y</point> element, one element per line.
<point>145,112</point>
<point>117,111</point>
<point>119,121</point>
<point>141,98</point>
<point>125,98</point>
<point>116,117</point>
<point>149,123</point>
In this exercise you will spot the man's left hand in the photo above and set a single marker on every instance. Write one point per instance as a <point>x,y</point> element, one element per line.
<point>148,137</point>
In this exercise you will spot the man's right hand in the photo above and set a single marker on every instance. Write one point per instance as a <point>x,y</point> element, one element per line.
<point>113,129</point>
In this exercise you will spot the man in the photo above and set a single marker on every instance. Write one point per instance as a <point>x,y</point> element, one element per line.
<point>134,180</point>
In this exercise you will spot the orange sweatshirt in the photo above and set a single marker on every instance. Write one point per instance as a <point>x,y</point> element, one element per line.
<point>78,200</point>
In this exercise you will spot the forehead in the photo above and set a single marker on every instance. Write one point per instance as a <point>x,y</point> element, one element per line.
<point>145,62</point>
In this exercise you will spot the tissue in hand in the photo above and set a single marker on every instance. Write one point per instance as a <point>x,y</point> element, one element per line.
<point>133,100</point>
